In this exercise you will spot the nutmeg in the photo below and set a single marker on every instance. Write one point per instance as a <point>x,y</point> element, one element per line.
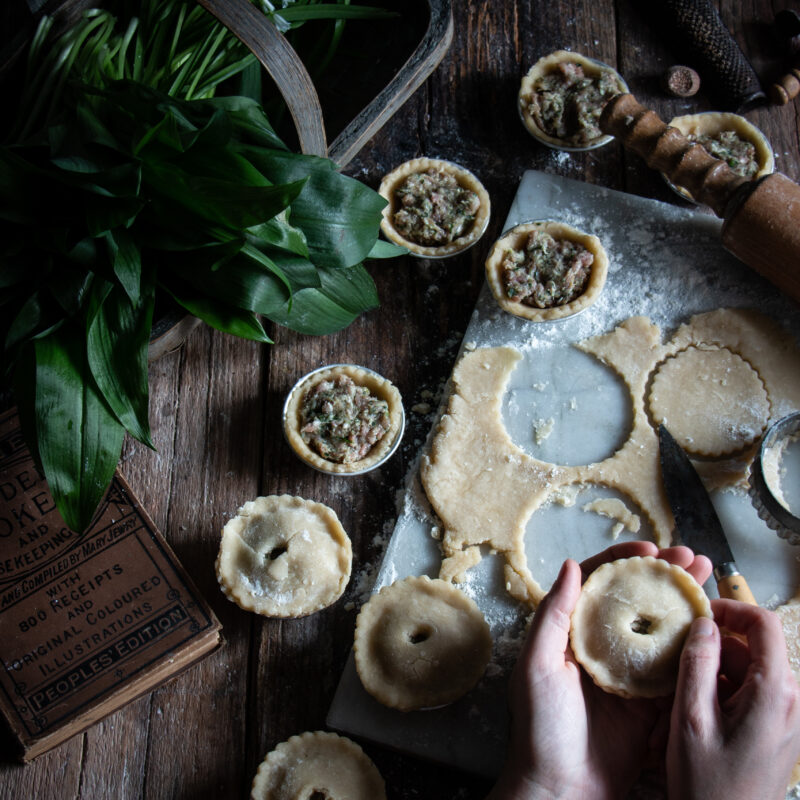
<point>680,81</point>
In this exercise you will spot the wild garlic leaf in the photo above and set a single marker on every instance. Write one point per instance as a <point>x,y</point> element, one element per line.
<point>217,201</point>
<point>223,317</point>
<point>117,337</point>
<point>79,440</point>
<point>126,261</point>
<point>241,281</point>
<point>384,249</point>
<point>278,232</point>
<point>340,216</point>
<point>343,295</point>
<point>26,323</point>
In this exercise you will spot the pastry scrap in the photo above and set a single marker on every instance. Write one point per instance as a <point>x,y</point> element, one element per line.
<point>561,99</point>
<point>435,208</point>
<point>546,270</point>
<point>283,556</point>
<point>420,643</point>
<point>711,399</point>
<point>630,622</point>
<point>485,489</point>
<point>343,419</point>
<point>317,765</point>
<point>730,138</point>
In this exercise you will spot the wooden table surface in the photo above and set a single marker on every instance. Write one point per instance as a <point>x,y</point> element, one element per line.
<point>216,406</point>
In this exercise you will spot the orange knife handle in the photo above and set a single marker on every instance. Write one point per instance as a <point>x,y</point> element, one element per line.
<point>734,587</point>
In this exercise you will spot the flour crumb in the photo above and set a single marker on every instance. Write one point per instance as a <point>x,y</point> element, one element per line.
<point>542,428</point>
<point>566,495</point>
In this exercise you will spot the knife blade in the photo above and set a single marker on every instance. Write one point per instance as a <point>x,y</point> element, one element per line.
<point>696,519</point>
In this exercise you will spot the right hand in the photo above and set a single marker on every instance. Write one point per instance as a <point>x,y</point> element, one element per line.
<point>735,724</point>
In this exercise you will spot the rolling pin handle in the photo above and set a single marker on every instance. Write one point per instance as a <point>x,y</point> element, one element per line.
<point>709,180</point>
<point>761,217</point>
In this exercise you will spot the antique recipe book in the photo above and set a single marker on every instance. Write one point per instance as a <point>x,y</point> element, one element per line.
<point>88,621</point>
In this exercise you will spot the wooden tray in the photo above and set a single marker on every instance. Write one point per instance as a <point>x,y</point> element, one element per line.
<point>286,69</point>
<point>284,66</point>
<point>270,47</point>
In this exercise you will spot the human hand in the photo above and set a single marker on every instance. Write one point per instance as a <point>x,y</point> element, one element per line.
<point>735,726</point>
<point>568,737</point>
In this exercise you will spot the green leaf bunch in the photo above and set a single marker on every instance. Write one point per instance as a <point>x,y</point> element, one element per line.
<point>120,192</point>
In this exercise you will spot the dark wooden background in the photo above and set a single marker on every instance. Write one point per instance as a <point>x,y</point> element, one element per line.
<point>216,405</point>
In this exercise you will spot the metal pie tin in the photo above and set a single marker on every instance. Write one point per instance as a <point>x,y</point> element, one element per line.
<point>522,100</point>
<point>369,462</point>
<point>769,506</point>
<point>465,178</point>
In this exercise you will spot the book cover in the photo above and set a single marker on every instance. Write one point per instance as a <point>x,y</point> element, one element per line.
<point>88,621</point>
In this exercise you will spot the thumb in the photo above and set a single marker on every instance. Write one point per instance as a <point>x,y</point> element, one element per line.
<point>548,637</point>
<point>696,707</point>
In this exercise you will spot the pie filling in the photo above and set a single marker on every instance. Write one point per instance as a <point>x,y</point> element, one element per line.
<point>434,208</point>
<point>546,272</point>
<point>728,146</point>
<point>566,103</point>
<point>342,421</point>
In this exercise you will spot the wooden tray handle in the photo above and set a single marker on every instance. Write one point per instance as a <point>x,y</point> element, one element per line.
<point>762,217</point>
<point>278,57</point>
<point>412,74</point>
<point>283,64</point>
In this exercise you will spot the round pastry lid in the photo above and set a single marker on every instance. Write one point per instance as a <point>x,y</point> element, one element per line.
<point>765,489</point>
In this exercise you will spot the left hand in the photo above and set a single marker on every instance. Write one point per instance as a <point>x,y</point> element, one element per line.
<point>569,738</point>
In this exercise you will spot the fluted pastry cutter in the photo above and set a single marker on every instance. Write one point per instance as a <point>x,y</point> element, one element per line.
<point>766,496</point>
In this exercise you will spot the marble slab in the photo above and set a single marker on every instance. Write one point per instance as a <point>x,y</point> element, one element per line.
<point>666,263</point>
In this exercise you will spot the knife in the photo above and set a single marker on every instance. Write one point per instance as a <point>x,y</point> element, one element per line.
<point>696,520</point>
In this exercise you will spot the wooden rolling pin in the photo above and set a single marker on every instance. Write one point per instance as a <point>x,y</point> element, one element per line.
<point>761,218</point>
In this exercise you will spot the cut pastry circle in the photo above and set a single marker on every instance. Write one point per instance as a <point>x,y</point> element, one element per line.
<point>420,643</point>
<point>713,402</point>
<point>377,386</point>
<point>630,622</point>
<point>466,183</point>
<point>578,129</point>
<point>317,764</point>
<point>513,242</point>
<point>716,123</point>
<point>283,556</point>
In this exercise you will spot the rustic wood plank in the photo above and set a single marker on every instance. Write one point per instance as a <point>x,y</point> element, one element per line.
<point>214,468</point>
<point>216,410</point>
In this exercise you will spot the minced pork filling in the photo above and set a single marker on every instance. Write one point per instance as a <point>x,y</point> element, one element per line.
<point>728,146</point>
<point>341,420</point>
<point>434,208</point>
<point>566,103</point>
<point>547,272</point>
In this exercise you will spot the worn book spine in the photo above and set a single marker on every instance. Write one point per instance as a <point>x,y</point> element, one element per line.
<point>88,621</point>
